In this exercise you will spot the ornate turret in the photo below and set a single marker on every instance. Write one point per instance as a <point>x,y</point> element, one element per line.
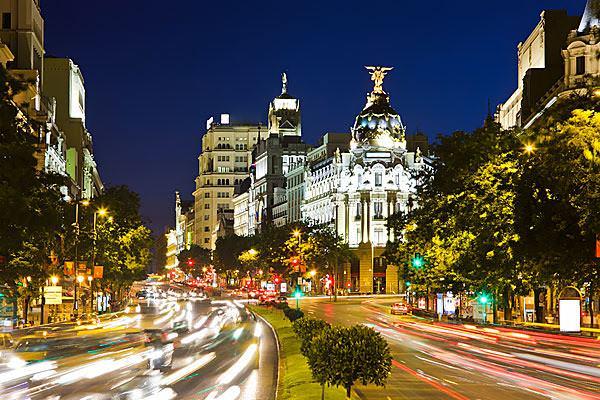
<point>378,124</point>
<point>284,113</point>
<point>591,16</point>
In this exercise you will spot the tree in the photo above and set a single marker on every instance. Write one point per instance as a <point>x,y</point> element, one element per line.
<point>31,204</point>
<point>307,330</point>
<point>124,242</point>
<point>195,259</point>
<point>559,201</point>
<point>344,356</point>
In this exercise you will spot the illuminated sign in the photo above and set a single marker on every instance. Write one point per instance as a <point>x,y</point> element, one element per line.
<point>570,315</point>
<point>224,119</point>
<point>209,122</point>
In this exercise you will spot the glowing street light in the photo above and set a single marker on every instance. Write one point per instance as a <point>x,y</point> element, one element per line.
<point>529,148</point>
<point>80,278</point>
<point>296,233</point>
<point>54,280</point>
<point>313,273</point>
<point>102,212</point>
<point>252,252</point>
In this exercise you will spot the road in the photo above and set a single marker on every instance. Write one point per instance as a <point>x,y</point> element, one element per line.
<point>461,362</point>
<point>212,347</point>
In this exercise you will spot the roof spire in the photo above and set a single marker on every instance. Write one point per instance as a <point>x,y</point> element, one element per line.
<point>284,83</point>
<point>591,15</point>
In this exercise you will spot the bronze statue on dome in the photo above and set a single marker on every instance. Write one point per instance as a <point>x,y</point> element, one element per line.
<point>377,76</point>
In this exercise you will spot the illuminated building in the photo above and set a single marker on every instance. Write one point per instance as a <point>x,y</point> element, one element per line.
<point>63,81</point>
<point>184,223</point>
<point>22,53</point>
<point>273,157</point>
<point>357,187</point>
<point>557,59</point>
<point>172,261</point>
<point>223,165</point>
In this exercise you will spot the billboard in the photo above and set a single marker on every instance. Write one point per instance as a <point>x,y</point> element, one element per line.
<point>53,294</point>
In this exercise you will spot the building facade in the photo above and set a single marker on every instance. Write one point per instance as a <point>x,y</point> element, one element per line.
<point>22,43</point>
<point>557,59</point>
<point>63,81</point>
<point>356,190</point>
<point>273,158</point>
<point>223,165</point>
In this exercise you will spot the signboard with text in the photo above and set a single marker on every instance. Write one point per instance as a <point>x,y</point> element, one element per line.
<point>53,294</point>
<point>98,271</point>
<point>69,268</point>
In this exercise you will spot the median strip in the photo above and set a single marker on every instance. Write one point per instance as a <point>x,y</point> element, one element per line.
<point>295,380</point>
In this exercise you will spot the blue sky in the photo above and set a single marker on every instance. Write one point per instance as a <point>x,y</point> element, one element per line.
<point>155,71</point>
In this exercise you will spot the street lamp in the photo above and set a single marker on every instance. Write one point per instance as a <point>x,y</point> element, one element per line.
<point>252,252</point>
<point>529,148</point>
<point>90,278</point>
<point>54,280</point>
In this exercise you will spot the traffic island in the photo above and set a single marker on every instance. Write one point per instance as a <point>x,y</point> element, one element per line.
<point>295,378</point>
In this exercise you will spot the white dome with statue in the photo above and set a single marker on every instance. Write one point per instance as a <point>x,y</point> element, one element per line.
<point>378,125</point>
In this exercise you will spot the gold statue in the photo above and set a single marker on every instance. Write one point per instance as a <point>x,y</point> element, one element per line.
<point>284,81</point>
<point>377,75</point>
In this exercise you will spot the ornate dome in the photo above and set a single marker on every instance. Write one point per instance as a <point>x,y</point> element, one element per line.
<point>378,124</point>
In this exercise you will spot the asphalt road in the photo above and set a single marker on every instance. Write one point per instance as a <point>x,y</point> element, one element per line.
<point>445,361</point>
<point>215,358</point>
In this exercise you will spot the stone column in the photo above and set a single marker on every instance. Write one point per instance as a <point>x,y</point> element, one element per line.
<point>363,217</point>
<point>391,279</point>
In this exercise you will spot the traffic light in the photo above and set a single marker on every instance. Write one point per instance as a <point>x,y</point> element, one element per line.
<point>298,294</point>
<point>407,284</point>
<point>276,279</point>
<point>190,262</point>
<point>483,299</point>
<point>418,261</point>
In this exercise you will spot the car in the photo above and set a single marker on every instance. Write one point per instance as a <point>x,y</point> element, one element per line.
<point>6,341</point>
<point>162,355</point>
<point>400,308</point>
<point>280,300</point>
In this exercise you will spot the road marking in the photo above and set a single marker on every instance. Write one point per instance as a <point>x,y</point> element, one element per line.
<point>441,388</point>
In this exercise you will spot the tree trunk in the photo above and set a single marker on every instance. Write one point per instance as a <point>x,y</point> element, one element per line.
<point>507,304</point>
<point>322,390</point>
<point>591,305</point>
<point>335,278</point>
<point>349,392</point>
<point>495,307</point>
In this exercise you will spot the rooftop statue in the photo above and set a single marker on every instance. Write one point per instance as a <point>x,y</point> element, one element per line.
<point>377,76</point>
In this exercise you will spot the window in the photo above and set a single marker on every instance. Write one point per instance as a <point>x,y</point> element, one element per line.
<point>206,229</point>
<point>206,217</point>
<point>206,240</point>
<point>206,195</point>
<point>377,178</point>
<point>378,208</point>
<point>207,206</point>
<point>580,65</point>
<point>6,21</point>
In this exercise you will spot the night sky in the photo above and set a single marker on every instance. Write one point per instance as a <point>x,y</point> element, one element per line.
<point>156,70</point>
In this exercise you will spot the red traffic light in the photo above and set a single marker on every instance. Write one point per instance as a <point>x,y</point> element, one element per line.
<point>190,262</point>
<point>348,284</point>
<point>295,261</point>
<point>276,279</point>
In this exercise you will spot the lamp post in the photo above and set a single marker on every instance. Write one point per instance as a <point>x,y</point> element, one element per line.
<point>90,279</point>
<point>75,302</point>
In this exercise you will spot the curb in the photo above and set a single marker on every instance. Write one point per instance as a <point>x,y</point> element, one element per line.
<point>278,352</point>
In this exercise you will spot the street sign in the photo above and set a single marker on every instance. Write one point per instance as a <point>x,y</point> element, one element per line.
<point>98,271</point>
<point>81,268</point>
<point>598,246</point>
<point>69,268</point>
<point>53,294</point>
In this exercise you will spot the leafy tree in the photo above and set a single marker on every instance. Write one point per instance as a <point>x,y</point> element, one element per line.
<point>124,242</point>
<point>194,259</point>
<point>344,356</point>
<point>31,206</point>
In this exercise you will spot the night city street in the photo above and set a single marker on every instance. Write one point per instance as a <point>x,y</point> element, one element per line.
<point>332,200</point>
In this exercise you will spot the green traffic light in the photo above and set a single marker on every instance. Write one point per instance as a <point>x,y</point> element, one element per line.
<point>483,299</point>
<point>298,294</point>
<point>418,261</point>
<point>407,284</point>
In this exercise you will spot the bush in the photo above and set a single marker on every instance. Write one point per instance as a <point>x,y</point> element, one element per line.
<point>343,356</point>
<point>281,306</point>
<point>307,329</point>
<point>293,314</point>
